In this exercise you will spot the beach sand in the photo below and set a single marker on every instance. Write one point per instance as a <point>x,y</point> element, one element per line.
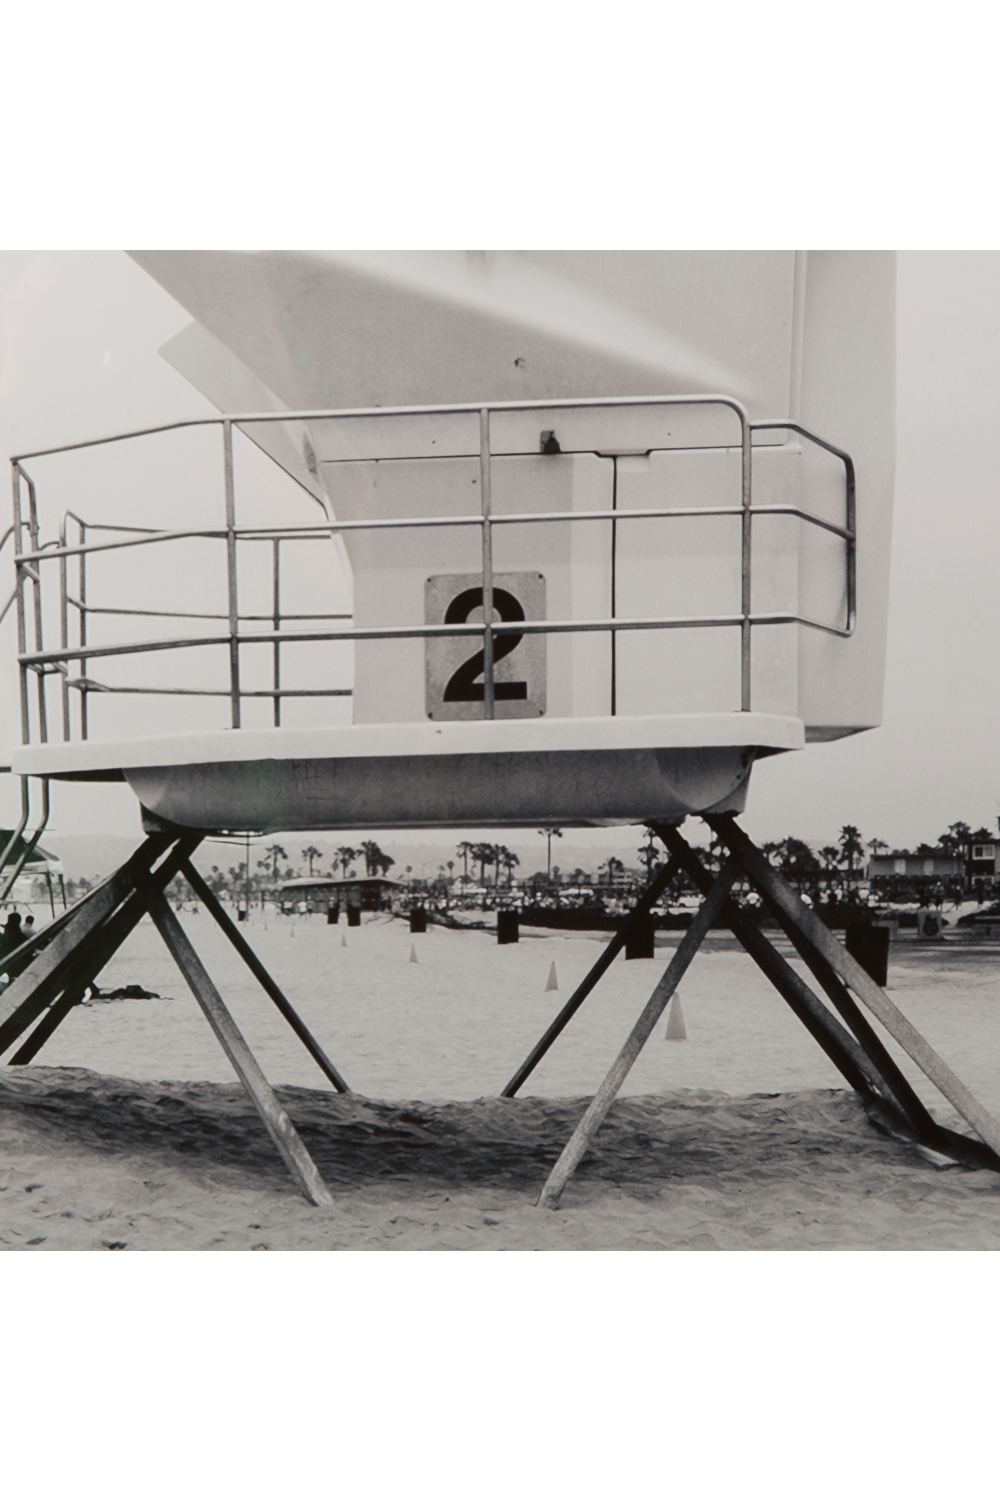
<point>740,1138</point>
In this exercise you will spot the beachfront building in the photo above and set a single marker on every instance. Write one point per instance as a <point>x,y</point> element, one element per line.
<point>919,866</point>
<point>903,875</point>
<point>983,861</point>
<point>366,892</point>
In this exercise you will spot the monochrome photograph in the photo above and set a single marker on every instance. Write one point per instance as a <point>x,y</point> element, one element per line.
<point>495,750</point>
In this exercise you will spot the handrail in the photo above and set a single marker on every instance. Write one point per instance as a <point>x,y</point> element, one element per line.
<point>451,409</point>
<point>30,559</point>
<point>402,523</point>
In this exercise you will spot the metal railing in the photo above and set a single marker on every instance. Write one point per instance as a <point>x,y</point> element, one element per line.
<point>30,560</point>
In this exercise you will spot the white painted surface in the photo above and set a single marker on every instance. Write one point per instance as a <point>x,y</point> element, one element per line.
<point>416,739</point>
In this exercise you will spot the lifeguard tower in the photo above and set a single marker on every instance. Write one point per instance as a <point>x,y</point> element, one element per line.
<point>596,532</point>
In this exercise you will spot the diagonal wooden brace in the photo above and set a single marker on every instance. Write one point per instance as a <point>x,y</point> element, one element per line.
<point>256,968</point>
<point>98,950</point>
<point>837,1042</point>
<point>279,1127</point>
<point>689,944</point>
<point>643,906</point>
<point>53,964</point>
<point>771,884</point>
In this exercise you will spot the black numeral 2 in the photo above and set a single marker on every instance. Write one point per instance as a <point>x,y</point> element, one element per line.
<point>462,685</point>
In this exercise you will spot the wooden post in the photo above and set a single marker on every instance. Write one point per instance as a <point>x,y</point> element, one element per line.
<point>852,1014</point>
<point>280,1128</point>
<point>97,950</point>
<point>255,966</point>
<point>647,900</point>
<point>639,1035</point>
<point>850,971</point>
<point>45,976</point>
<point>836,1041</point>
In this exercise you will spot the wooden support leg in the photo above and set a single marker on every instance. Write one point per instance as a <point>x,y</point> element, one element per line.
<point>18,959</point>
<point>641,1031</point>
<point>642,908</point>
<point>50,968</point>
<point>863,1069</point>
<point>101,946</point>
<point>770,883</point>
<point>894,1081</point>
<point>838,1044</point>
<point>839,995</point>
<point>280,1128</point>
<point>255,966</point>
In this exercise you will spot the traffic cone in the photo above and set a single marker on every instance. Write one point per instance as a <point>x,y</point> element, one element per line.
<point>343,939</point>
<point>413,953</point>
<point>676,1030</point>
<point>552,983</point>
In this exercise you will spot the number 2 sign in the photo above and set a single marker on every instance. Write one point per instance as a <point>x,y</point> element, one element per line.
<point>454,666</point>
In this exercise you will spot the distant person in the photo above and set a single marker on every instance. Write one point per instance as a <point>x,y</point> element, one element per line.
<point>11,936</point>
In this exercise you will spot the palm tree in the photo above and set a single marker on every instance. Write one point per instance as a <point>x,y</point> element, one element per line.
<point>958,835</point>
<point>312,853</point>
<point>508,859</point>
<point>648,853</point>
<point>878,846</point>
<point>549,834</point>
<point>344,857</point>
<point>274,853</point>
<point>830,855</point>
<point>851,848</point>
<point>465,850</point>
<point>372,855</point>
<point>484,854</point>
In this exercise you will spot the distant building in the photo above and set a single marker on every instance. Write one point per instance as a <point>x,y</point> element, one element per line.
<point>902,862</point>
<point>976,866</point>
<point>983,861</point>
<point>370,892</point>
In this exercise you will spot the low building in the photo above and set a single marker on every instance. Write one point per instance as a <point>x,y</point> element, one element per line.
<point>983,861</point>
<point>901,862</point>
<point>369,892</point>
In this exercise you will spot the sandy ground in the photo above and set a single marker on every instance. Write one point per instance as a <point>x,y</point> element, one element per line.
<point>740,1137</point>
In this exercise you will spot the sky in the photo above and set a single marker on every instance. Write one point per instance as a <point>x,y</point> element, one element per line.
<point>79,333</point>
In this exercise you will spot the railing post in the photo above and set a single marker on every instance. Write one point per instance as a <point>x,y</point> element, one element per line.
<point>82,614</point>
<point>746,474</point>
<point>22,624</point>
<point>276,616</point>
<point>234,618</point>
<point>64,630</point>
<point>485,477</point>
<point>35,574</point>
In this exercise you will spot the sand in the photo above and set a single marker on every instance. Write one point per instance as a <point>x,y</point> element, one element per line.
<point>739,1138</point>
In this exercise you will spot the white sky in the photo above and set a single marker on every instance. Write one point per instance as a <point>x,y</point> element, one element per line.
<point>79,337</point>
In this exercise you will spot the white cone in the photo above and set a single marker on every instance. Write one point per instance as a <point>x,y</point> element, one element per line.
<point>413,953</point>
<point>343,939</point>
<point>676,1030</point>
<point>552,983</point>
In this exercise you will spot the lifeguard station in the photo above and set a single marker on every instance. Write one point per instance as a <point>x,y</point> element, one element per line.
<point>597,531</point>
